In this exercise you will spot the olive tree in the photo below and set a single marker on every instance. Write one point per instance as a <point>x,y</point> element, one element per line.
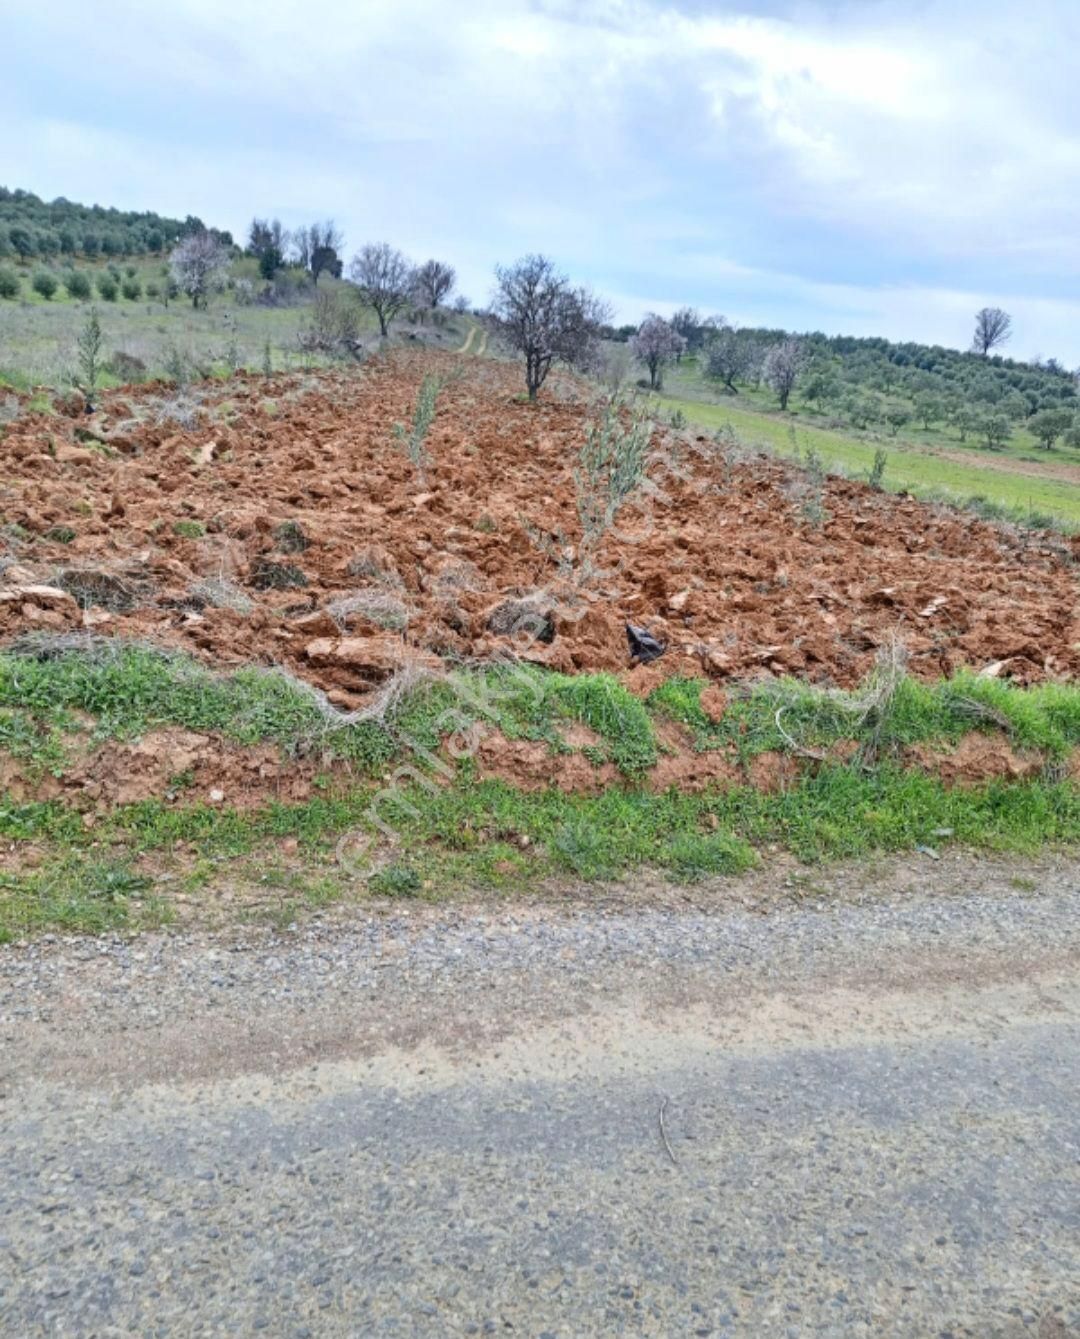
<point>385,280</point>
<point>996,430</point>
<point>655,344</point>
<point>199,266</point>
<point>1048,425</point>
<point>545,318</point>
<point>992,327</point>
<point>782,367</point>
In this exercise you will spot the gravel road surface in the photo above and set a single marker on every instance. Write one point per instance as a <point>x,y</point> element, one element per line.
<point>770,1107</point>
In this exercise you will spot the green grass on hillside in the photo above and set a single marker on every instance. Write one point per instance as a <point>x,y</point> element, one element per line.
<point>685,381</point>
<point>915,469</point>
<point>120,872</point>
<point>38,337</point>
<point>128,690</point>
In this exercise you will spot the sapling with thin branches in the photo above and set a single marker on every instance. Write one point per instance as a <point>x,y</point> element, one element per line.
<point>89,349</point>
<point>610,469</point>
<point>413,439</point>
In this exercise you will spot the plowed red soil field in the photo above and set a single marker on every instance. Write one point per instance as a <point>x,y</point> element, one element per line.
<point>285,524</point>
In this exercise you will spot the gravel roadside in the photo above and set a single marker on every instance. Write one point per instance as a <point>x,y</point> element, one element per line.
<point>771,1106</point>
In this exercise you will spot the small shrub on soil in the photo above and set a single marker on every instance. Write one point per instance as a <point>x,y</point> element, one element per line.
<point>813,506</point>
<point>60,534</point>
<point>131,289</point>
<point>290,537</point>
<point>189,529</point>
<point>696,856</point>
<point>529,617</point>
<point>369,565</point>
<point>108,288</point>
<point>177,366</point>
<point>268,575</point>
<point>182,408</point>
<point>395,881</point>
<point>9,282</point>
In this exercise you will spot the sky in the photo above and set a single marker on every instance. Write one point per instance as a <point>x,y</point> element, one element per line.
<point>868,167</point>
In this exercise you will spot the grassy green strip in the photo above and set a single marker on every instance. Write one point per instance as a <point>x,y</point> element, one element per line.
<point>128,690</point>
<point>131,689</point>
<point>489,835</point>
<point>1045,717</point>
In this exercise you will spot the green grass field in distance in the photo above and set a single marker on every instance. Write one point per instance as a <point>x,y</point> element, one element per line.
<point>909,468</point>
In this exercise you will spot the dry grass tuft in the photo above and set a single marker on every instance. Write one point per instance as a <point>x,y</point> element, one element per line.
<point>221,593</point>
<point>376,605</point>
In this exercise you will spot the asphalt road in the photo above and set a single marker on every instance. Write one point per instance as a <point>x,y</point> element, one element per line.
<point>732,1114</point>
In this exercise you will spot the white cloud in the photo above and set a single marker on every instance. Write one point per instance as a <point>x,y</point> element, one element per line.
<point>887,155</point>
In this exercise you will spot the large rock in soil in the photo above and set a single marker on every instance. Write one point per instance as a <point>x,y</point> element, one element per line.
<point>372,658</point>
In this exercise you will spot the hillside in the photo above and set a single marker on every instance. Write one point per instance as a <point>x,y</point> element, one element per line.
<point>32,228</point>
<point>894,389</point>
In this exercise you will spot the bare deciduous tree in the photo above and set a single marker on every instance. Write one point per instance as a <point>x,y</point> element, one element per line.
<point>655,344</point>
<point>199,265</point>
<point>384,278</point>
<point>433,281</point>
<point>541,315</point>
<point>333,325</point>
<point>782,366</point>
<point>992,327</point>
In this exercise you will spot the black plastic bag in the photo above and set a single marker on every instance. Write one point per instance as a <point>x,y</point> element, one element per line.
<point>643,645</point>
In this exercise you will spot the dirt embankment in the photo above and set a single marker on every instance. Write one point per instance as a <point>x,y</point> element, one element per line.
<point>184,767</point>
<point>283,523</point>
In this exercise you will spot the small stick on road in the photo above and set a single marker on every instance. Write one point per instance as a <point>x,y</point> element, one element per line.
<point>663,1133</point>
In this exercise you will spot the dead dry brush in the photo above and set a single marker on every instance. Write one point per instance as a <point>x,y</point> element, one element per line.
<point>869,705</point>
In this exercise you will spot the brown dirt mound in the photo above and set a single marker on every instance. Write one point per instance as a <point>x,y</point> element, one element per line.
<point>175,764</point>
<point>266,531</point>
<point>976,759</point>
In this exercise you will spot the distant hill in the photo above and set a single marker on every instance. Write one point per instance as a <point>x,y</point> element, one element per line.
<point>32,228</point>
<point>866,382</point>
<point>842,364</point>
